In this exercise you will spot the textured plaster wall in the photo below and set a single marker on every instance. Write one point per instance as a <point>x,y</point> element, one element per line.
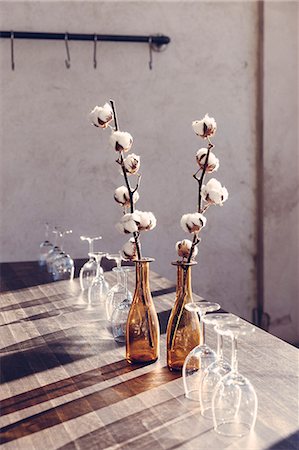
<point>56,167</point>
<point>281,169</point>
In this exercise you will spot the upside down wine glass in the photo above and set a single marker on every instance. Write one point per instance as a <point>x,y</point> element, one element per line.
<point>116,287</point>
<point>201,356</point>
<point>54,251</point>
<point>121,304</point>
<point>63,267</point>
<point>89,269</point>
<point>98,290</point>
<point>234,402</point>
<point>44,247</point>
<point>215,371</point>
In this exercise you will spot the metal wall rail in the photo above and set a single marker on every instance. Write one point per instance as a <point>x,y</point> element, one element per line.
<point>157,40</point>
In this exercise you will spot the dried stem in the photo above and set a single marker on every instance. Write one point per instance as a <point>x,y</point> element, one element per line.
<point>200,181</point>
<point>130,190</point>
<point>178,318</point>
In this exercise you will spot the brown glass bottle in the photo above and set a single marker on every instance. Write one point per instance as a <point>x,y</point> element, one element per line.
<point>142,332</point>
<point>183,329</point>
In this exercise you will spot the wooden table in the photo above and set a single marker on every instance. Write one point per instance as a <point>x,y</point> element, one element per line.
<point>66,384</point>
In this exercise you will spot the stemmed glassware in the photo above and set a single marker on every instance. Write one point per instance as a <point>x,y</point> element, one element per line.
<point>215,371</point>
<point>98,290</point>
<point>89,269</point>
<point>54,251</point>
<point>234,402</point>
<point>63,267</point>
<point>44,247</point>
<point>201,356</point>
<point>116,287</point>
<point>121,303</point>
<point>119,291</point>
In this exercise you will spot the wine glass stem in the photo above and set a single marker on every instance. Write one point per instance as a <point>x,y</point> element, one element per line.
<point>201,330</point>
<point>219,347</point>
<point>90,243</point>
<point>126,284</point>
<point>98,274</point>
<point>234,363</point>
<point>61,241</point>
<point>47,232</point>
<point>118,277</point>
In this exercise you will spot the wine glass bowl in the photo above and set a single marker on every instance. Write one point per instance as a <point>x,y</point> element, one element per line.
<point>89,269</point>
<point>54,251</point>
<point>234,402</point>
<point>44,247</point>
<point>215,371</point>
<point>201,356</point>
<point>62,265</point>
<point>98,290</point>
<point>119,292</point>
<point>119,320</point>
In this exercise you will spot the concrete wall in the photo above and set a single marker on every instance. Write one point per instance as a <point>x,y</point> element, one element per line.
<point>56,167</point>
<point>281,175</point>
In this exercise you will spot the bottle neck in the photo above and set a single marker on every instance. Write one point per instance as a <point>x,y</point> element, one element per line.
<point>142,274</point>
<point>184,281</point>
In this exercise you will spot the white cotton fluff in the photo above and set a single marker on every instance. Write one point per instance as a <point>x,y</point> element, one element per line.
<point>213,162</point>
<point>205,127</point>
<point>129,250</point>
<point>193,222</point>
<point>101,116</point>
<point>132,163</point>
<point>214,193</point>
<point>183,249</point>
<point>127,223</point>
<point>121,196</point>
<point>147,220</point>
<point>121,140</point>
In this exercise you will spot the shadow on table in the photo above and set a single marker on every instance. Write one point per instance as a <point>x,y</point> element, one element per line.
<point>60,348</point>
<point>163,425</point>
<point>289,443</point>
<point>89,403</point>
<point>26,274</point>
<point>66,386</point>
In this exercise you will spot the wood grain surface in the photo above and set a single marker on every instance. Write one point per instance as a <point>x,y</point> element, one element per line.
<point>66,383</point>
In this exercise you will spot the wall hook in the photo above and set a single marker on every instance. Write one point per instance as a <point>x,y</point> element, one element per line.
<point>95,39</point>
<point>12,36</point>
<point>68,60</point>
<point>150,47</point>
<point>156,45</point>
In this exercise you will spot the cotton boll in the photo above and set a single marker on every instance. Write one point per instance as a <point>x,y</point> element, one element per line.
<point>129,250</point>
<point>213,162</point>
<point>101,116</point>
<point>214,193</point>
<point>121,140</point>
<point>127,224</point>
<point>147,220</point>
<point>205,127</point>
<point>132,163</point>
<point>193,222</point>
<point>183,249</point>
<point>121,196</point>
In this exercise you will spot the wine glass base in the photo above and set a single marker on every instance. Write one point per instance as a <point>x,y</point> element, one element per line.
<point>233,429</point>
<point>207,413</point>
<point>193,395</point>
